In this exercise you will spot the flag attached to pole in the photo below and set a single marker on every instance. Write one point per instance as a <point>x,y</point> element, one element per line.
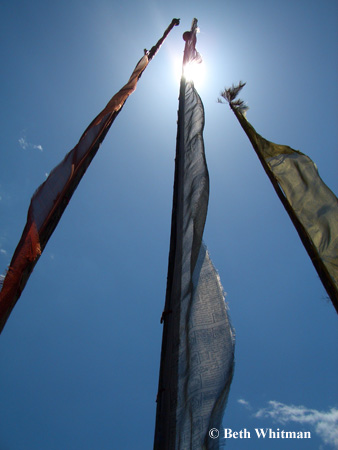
<point>51,198</point>
<point>311,205</point>
<point>198,341</point>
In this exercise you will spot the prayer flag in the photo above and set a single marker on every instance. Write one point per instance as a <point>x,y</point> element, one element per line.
<point>311,205</point>
<point>198,341</point>
<point>51,198</point>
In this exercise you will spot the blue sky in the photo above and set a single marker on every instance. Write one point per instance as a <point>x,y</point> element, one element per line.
<point>80,353</point>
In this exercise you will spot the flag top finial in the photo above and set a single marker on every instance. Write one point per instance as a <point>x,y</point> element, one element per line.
<point>189,37</point>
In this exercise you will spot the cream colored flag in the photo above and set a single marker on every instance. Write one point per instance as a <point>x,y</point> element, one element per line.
<point>311,205</point>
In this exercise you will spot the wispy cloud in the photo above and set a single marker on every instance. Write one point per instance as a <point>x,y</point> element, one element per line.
<point>25,144</point>
<point>325,424</point>
<point>3,251</point>
<point>245,403</point>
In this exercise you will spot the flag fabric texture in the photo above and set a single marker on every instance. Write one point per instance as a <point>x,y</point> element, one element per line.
<point>311,205</point>
<point>198,341</point>
<point>51,198</point>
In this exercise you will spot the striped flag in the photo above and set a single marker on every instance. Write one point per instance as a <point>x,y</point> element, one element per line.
<point>52,197</point>
<point>198,342</point>
<point>311,205</point>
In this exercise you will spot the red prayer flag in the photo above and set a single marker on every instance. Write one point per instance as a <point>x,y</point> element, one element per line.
<point>52,197</point>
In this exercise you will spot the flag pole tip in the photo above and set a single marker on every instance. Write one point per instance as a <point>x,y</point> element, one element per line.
<point>194,29</point>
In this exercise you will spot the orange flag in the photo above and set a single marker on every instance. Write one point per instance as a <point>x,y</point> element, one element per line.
<point>52,197</point>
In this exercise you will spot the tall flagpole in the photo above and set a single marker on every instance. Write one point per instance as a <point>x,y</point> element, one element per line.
<point>168,375</point>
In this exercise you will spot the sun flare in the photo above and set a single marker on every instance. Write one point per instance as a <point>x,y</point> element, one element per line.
<point>192,71</point>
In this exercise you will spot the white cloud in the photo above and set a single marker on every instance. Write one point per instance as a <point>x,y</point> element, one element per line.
<point>325,423</point>
<point>245,403</point>
<point>3,251</point>
<point>24,144</point>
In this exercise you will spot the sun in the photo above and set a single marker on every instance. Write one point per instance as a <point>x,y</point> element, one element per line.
<point>193,71</point>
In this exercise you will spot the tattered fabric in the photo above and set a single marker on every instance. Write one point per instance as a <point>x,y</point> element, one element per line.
<point>52,197</point>
<point>312,206</point>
